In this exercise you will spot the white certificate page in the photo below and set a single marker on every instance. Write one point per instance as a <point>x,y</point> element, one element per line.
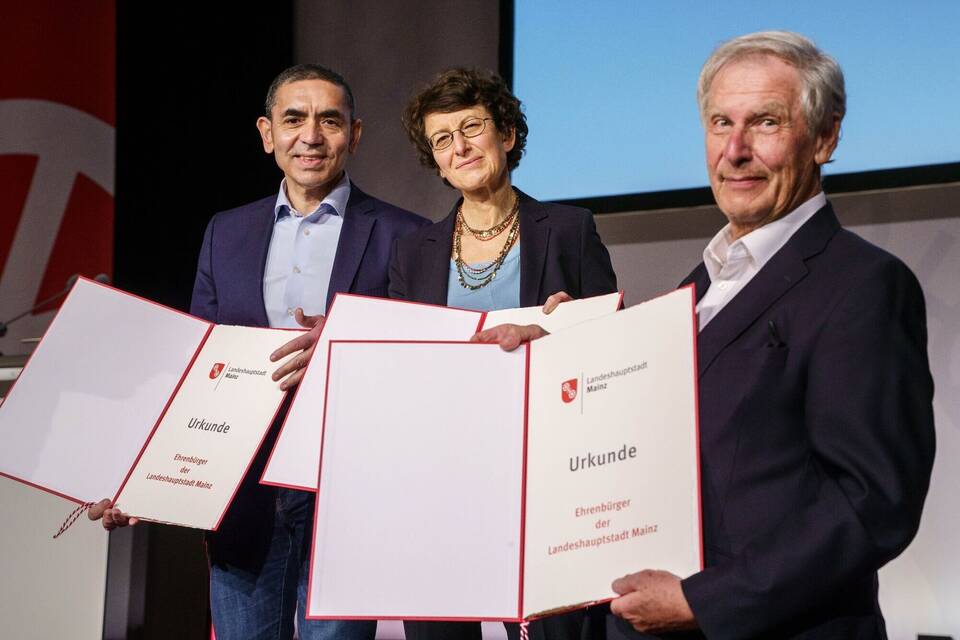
<point>295,459</point>
<point>419,501</point>
<point>566,315</point>
<point>612,458</point>
<point>96,385</point>
<point>197,457</point>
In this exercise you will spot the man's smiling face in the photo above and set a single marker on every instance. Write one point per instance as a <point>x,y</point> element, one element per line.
<point>311,132</point>
<point>762,159</point>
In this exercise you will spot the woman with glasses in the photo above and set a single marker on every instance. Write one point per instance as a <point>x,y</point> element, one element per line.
<point>497,249</point>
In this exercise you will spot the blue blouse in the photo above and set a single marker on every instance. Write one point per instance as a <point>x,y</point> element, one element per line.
<point>503,292</point>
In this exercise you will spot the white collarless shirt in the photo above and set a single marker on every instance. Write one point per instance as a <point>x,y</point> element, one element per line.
<point>300,258</point>
<point>731,265</point>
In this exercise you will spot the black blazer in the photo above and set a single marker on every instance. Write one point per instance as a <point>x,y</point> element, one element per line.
<point>817,439</point>
<point>560,250</point>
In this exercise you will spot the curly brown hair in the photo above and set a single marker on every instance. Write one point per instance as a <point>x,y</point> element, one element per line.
<point>462,88</point>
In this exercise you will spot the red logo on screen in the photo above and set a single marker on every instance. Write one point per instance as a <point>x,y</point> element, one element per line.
<point>216,370</point>
<point>568,390</point>
<point>61,184</point>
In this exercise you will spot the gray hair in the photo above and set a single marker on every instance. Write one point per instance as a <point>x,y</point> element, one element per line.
<point>822,93</point>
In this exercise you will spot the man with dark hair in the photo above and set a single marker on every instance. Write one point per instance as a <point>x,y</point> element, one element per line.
<point>278,262</point>
<point>308,71</point>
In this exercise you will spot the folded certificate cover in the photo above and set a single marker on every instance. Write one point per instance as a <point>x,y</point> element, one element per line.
<point>461,482</point>
<point>128,399</point>
<point>295,458</point>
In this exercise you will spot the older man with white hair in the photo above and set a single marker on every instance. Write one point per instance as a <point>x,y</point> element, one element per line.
<point>816,418</point>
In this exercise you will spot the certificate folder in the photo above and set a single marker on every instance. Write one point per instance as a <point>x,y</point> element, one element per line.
<point>128,399</point>
<point>461,482</point>
<point>295,457</point>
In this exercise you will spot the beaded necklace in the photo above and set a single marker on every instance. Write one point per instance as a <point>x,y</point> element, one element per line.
<point>484,275</point>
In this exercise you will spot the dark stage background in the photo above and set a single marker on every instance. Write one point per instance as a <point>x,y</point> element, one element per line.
<point>191,79</point>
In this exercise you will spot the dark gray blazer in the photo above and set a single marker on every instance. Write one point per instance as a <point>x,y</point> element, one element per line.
<point>559,251</point>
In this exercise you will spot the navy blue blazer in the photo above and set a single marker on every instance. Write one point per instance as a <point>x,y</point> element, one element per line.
<point>817,439</point>
<point>229,290</point>
<point>560,250</point>
<point>229,284</point>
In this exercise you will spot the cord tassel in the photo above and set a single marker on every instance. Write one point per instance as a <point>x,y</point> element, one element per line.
<point>76,513</point>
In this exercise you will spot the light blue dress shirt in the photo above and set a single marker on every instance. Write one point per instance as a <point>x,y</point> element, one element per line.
<point>300,258</point>
<point>503,292</point>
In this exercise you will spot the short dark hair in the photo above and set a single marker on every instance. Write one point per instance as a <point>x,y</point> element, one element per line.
<point>307,72</point>
<point>462,88</point>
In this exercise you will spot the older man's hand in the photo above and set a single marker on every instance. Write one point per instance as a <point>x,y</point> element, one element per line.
<point>509,336</point>
<point>305,343</point>
<point>652,602</point>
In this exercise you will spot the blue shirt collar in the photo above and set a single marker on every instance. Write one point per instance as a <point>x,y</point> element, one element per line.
<point>337,198</point>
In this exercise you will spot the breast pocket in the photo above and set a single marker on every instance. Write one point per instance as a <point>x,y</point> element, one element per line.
<point>380,291</point>
<point>742,390</point>
<point>746,373</point>
<point>371,280</point>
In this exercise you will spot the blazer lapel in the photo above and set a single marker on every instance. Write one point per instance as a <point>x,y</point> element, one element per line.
<point>700,279</point>
<point>354,235</point>
<point>264,222</point>
<point>434,264</point>
<point>534,239</point>
<point>784,270</point>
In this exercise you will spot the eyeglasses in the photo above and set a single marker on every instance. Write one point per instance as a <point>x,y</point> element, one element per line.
<point>470,128</point>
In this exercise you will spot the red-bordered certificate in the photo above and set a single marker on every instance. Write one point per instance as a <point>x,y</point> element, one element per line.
<point>295,457</point>
<point>461,482</point>
<point>127,399</point>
